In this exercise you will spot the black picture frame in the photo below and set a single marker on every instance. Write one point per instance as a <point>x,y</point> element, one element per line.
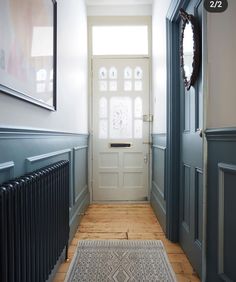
<point>28,51</point>
<point>188,18</point>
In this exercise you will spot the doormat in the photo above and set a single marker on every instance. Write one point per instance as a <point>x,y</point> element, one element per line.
<point>120,261</point>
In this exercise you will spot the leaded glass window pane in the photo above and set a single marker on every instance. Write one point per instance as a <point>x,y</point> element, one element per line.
<point>128,85</point>
<point>113,73</point>
<point>120,117</point>
<point>128,73</point>
<point>103,86</point>
<point>113,86</point>
<point>138,85</point>
<point>138,107</point>
<point>103,73</point>
<point>138,73</point>
<point>103,108</point>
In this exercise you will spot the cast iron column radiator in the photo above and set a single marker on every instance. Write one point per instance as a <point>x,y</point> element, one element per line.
<point>34,223</point>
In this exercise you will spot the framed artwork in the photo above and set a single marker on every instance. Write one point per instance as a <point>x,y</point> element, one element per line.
<point>28,50</point>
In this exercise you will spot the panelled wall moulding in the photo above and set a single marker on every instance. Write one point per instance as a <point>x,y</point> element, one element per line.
<point>221,198</point>
<point>7,171</point>
<point>24,150</point>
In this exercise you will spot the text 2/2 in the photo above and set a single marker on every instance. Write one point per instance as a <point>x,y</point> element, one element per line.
<point>216,6</point>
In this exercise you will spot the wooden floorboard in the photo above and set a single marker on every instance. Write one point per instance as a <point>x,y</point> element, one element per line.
<point>127,222</point>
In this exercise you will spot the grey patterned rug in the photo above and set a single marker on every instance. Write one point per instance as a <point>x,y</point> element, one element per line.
<point>120,261</point>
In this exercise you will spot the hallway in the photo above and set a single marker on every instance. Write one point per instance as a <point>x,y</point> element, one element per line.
<point>117,101</point>
<point>127,222</point>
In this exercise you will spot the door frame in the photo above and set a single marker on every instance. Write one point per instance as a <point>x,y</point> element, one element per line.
<point>115,20</point>
<point>173,124</point>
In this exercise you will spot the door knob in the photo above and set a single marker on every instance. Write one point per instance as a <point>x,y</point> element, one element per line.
<point>200,133</point>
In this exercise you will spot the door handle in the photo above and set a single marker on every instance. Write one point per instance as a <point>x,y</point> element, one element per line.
<point>148,118</point>
<point>200,133</point>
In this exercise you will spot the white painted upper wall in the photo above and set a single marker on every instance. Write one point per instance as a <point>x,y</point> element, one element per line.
<point>117,2</point>
<point>71,114</point>
<point>119,10</point>
<point>159,70</point>
<point>221,40</point>
<point>119,7</point>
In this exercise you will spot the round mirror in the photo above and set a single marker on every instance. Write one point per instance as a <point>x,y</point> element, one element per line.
<point>189,49</point>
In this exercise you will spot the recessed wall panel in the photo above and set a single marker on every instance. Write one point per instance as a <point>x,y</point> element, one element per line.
<point>186,195</point>
<point>226,221</point>
<point>198,204</point>
<point>159,168</point>
<point>80,173</point>
<point>6,171</point>
<point>186,111</point>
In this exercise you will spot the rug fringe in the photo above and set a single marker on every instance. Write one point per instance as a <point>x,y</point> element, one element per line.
<point>156,243</point>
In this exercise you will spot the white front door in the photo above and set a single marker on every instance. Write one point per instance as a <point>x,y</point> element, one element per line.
<point>120,132</point>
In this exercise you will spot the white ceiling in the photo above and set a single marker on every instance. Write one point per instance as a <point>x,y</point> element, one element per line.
<point>118,2</point>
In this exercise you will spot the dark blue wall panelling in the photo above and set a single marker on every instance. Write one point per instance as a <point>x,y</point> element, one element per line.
<point>25,150</point>
<point>158,199</point>
<point>221,207</point>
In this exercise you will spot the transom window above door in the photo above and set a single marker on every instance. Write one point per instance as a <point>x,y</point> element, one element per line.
<point>120,40</point>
